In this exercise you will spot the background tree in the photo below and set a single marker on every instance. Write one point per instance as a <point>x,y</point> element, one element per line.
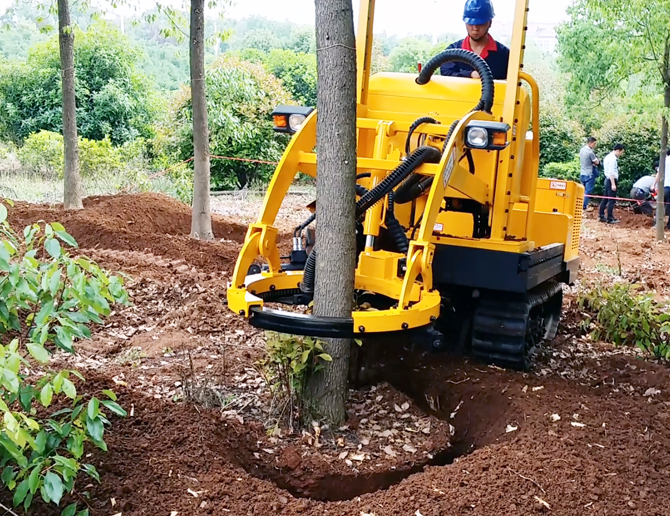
<point>201,221</point>
<point>637,35</point>
<point>72,193</point>
<point>240,97</point>
<point>336,172</point>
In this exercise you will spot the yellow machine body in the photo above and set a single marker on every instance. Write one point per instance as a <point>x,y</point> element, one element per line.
<point>530,226</point>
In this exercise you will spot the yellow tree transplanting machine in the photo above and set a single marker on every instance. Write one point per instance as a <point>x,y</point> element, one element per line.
<point>457,234</point>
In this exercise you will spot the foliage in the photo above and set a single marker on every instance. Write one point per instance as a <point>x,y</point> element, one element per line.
<point>48,298</point>
<point>560,137</point>
<point>287,367</point>
<point>624,316</point>
<point>297,72</point>
<point>42,154</point>
<point>240,98</point>
<point>569,171</point>
<point>113,99</point>
<point>409,52</point>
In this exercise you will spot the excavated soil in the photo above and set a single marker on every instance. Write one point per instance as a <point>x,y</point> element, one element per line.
<point>587,431</point>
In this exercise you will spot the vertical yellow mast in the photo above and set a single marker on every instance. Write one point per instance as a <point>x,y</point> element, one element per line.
<point>364,48</point>
<point>507,162</point>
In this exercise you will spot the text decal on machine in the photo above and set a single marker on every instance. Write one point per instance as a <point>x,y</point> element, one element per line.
<point>449,168</point>
<point>558,185</point>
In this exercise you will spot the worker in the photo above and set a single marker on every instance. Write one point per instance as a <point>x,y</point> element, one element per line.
<point>589,163</point>
<point>611,164</point>
<point>478,16</point>
<point>642,191</point>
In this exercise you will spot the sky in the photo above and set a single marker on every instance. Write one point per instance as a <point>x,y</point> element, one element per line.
<point>398,17</point>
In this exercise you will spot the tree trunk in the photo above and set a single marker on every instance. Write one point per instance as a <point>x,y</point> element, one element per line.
<point>660,198</point>
<point>72,183</point>
<point>335,193</point>
<point>201,221</point>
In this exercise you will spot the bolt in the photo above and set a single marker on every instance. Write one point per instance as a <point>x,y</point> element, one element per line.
<point>433,318</point>
<point>361,329</point>
<point>272,287</point>
<point>405,326</point>
<point>242,312</point>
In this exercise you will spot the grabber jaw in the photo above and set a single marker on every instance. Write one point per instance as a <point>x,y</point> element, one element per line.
<point>377,274</point>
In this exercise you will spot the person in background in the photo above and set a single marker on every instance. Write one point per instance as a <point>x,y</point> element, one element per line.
<point>641,191</point>
<point>478,16</point>
<point>589,164</point>
<point>611,164</point>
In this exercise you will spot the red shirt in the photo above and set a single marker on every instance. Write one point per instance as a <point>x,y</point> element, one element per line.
<point>491,46</point>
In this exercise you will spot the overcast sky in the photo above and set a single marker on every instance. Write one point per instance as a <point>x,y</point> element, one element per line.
<point>392,16</point>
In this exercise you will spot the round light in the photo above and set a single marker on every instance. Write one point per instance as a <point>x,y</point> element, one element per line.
<point>296,121</point>
<point>478,137</point>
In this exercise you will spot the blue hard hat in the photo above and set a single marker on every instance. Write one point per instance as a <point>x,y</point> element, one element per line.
<point>478,12</point>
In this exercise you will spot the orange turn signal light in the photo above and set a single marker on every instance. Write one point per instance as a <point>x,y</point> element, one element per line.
<point>280,120</point>
<point>499,139</point>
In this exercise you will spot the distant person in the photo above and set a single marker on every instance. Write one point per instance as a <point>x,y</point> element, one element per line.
<point>589,164</point>
<point>478,16</point>
<point>611,164</point>
<point>642,191</point>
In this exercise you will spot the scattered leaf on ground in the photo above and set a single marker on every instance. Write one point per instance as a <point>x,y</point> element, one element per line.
<point>511,428</point>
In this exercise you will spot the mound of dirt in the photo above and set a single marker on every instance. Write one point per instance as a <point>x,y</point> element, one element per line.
<point>147,222</point>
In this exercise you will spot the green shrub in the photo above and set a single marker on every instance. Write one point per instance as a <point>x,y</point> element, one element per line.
<point>625,316</point>
<point>569,171</point>
<point>42,154</point>
<point>560,137</point>
<point>240,98</point>
<point>47,299</point>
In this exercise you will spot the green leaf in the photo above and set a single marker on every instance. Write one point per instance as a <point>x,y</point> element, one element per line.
<point>53,486</point>
<point>83,513</point>
<point>46,310</point>
<point>7,474</point>
<point>93,408</point>
<point>21,492</point>
<point>52,247</point>
<point>326,357</point>
<point>91,471</point>
<point>38,352</point>
<point>34,479</point>
<point>95,428</point>
<point>115,408</point>
<point>69,389</point>
<point>57,226</point>
<point>28,501</point>
<point>54,282</point>
<point>3,213</point>
<point>67,238</point>
<point>46,395</point>
<point>110,394</point>
<point>10,381</point>
<point>70,510</point>
<point>41,441</point>
<point>305,356</point>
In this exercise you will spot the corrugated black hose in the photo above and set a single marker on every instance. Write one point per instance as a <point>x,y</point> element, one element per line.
<point>395,229</point>
<point>469,58</point>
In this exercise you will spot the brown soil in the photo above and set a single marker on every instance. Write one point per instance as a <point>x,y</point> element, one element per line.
<point>580,434</point>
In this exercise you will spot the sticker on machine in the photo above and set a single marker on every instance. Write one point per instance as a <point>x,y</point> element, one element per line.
<point>449,168</point>
<point>438,228</point>
<point>558,185</point>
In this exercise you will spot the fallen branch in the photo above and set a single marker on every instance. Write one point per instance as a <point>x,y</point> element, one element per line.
<point>8,511</point>
<point>526,478</point>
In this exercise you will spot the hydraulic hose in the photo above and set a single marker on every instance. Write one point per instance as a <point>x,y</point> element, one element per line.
<point>368,200</point>
<point>471,59</point>
<point>416,185</point>
<point>301,227</point>
<point>395,229</point>
<point>415,125</point>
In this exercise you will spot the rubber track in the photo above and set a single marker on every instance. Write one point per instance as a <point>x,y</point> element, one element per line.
<point>500,328</point>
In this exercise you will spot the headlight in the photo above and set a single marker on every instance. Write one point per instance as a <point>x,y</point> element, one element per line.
<point>477,137</point>
<point>295,121</point>
<point>483,134</point>
<point>289,119</point>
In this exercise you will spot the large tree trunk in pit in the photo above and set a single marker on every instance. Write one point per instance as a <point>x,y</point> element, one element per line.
<point>336,195</point>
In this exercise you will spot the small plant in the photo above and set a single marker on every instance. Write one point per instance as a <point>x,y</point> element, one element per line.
<point>625,316</point>
<point>289,364</point>
<point>46,300</point>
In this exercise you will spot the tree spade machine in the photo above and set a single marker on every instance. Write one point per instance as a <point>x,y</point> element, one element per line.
<point>457,235</point>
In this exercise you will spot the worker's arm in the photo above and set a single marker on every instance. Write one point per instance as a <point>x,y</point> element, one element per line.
<point>455,69</point>
<point>613,181</point>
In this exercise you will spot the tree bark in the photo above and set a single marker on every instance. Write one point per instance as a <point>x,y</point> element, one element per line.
<point>660,198</point>
<point>201,220</point>
<point>336,196</point>
<point>72,193</point>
